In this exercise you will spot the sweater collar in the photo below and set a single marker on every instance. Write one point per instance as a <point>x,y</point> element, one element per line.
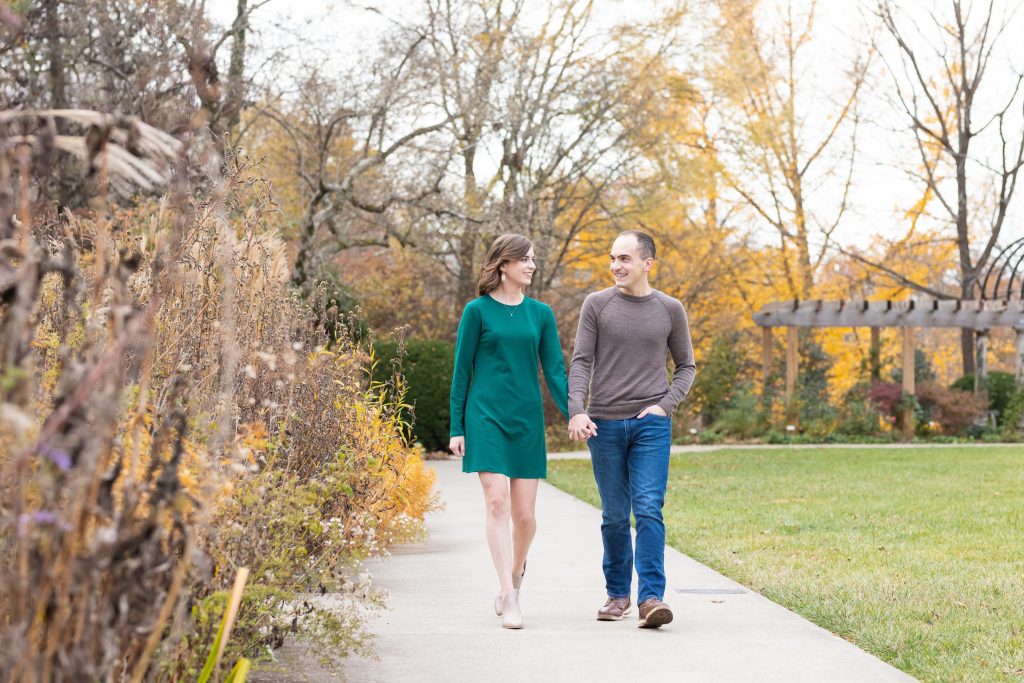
<point>627,297</point>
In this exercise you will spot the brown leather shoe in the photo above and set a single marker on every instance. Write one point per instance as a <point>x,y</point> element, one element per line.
<point>614,609</point>
<point>654,613</point>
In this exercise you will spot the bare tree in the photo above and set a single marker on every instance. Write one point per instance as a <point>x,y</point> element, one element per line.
<point>779,162</point>
<point>369,159</point>
<point>558,111</point>
<point>473,123</point>
<point>220,100</point>
<point>937,72</point>
<point>467,53</point>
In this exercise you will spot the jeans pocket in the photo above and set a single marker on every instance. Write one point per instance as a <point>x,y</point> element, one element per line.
<point>659,422</point>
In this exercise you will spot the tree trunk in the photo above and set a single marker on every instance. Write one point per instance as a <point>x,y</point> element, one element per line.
<point>301,275</point>
<point>55,55</point>
<point>803,247</point>
<point>231,111</point>
<point>967,349</point>
<point>967,335</point>
<point>465,288</point>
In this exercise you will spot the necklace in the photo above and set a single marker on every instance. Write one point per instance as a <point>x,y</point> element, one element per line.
<point>508,307</point>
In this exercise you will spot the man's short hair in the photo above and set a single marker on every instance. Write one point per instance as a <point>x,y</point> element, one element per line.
<point>646,242</point>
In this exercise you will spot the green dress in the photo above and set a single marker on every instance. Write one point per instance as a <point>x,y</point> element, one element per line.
<point>495,396</point>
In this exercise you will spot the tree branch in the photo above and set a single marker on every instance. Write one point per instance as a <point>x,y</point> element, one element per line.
<point>895,275</point>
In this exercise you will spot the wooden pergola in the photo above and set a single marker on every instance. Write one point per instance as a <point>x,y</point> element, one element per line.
<point>1002,305</point>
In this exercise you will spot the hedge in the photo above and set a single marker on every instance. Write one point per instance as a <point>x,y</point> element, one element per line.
<point>427,368</point>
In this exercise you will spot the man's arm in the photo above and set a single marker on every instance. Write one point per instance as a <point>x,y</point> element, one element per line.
<point>681,348</point>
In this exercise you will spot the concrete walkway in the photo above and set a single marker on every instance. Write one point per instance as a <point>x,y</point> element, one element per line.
<point>442,627</point>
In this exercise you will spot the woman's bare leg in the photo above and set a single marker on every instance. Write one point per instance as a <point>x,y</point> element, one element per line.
<point>497,500</point>
<point>524,521</point>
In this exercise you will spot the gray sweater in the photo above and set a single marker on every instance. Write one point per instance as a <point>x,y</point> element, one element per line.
<point>621,346</point>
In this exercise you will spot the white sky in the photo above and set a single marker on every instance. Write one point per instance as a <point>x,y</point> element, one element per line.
<point>881,192</point>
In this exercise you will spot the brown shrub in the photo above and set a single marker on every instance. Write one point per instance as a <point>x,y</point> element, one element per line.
<point>952,409</point>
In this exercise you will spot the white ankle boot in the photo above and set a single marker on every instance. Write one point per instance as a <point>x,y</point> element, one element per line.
<point>511,614</point>
<point>517,583</point>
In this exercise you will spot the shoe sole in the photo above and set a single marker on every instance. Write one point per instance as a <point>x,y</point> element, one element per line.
<point>658,617</point>
<point>609,617</point>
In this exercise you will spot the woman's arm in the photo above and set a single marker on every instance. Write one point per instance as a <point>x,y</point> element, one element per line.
<point>582,365</point>
<point>553,363</point>
<point>462,372</point>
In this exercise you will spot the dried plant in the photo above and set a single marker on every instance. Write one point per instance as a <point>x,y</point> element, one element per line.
<point>170,412</point>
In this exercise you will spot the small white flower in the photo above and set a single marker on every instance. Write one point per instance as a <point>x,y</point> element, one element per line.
<point>106,535</point>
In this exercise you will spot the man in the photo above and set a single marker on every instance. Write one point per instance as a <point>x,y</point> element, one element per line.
<point>624,337</point>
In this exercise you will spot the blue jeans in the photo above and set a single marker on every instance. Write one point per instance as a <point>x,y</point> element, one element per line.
<point>630,459</point>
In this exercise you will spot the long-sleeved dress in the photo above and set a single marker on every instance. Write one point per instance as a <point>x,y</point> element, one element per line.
<point>495,395</point>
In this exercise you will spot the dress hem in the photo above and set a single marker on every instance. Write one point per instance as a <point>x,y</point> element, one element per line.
<point>510,476</point>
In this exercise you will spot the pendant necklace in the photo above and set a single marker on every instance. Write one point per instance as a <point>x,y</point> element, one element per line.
<point>511,309</point>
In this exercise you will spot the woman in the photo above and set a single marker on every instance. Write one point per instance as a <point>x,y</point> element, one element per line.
<point>497,419</point>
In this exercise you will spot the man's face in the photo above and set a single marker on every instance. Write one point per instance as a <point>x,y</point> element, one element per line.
<point>627,266</point>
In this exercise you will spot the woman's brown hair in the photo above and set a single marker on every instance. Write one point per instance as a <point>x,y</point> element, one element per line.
<point>510,247</point>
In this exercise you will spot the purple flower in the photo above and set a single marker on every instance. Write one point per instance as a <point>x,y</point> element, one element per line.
<point>58,457</point>
<point>44,517</point>
<point>37,517</point>
<point>22,525</point>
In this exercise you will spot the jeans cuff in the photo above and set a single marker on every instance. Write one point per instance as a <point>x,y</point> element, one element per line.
<point>618,597</point>
<point>641,601</point>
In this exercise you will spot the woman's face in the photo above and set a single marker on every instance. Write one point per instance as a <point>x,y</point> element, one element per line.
<point>520,273</point>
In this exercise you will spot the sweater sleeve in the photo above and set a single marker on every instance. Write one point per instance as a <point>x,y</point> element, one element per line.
<point>582,365</point>
<point>552,362</point>
<point>681,348</point>
<point>462,372</point>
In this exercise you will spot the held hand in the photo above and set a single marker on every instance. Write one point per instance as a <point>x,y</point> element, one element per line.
<point>457,445</point>
<point>581,427</point>
<point>574,427</point>
<point>652,410</point>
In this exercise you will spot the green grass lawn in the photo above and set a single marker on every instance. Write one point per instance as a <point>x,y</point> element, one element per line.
<point>916,555</point>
